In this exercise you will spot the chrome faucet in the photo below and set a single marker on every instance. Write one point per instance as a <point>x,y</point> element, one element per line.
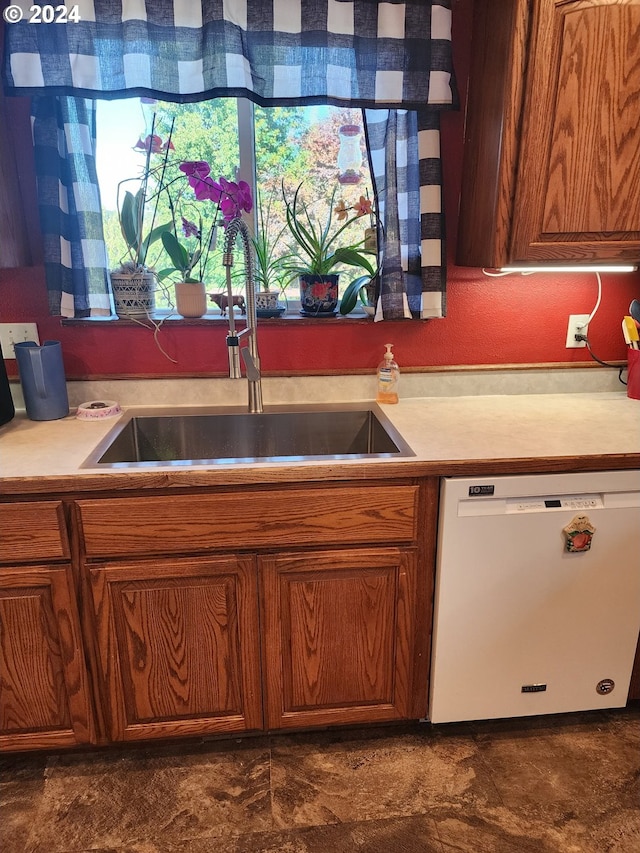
<point>249,352</point>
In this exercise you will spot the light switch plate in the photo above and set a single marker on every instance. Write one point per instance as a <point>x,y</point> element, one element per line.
<point>15,333</point>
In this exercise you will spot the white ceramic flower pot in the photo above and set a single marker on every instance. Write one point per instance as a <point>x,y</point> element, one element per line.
<point>267,300</point>
<point>191,299</point>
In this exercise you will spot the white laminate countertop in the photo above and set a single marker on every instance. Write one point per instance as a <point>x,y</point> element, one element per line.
<point>445,433</point>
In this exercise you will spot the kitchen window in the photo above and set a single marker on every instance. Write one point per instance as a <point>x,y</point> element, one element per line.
<point>267,147</point>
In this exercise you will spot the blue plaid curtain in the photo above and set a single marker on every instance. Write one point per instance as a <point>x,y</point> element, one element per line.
<point>404,151</point>
<point>75,258</point>
<point>389,56</point>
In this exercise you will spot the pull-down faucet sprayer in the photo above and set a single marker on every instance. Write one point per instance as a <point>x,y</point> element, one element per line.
<point>237,228</point>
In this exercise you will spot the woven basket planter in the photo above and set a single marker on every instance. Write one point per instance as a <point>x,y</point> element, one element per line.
<point>134,293</point>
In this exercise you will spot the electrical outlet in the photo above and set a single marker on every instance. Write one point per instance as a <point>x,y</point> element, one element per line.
<point>577,326</point>
<point>16,333</point>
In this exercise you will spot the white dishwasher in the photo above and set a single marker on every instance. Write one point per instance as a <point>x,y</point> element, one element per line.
<point>537,602</point>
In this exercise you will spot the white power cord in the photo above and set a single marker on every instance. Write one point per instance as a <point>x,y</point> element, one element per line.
<point>598,300</point>
<point>499,274</point>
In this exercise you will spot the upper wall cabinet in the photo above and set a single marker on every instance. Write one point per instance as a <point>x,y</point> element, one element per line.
<point>552,142</point>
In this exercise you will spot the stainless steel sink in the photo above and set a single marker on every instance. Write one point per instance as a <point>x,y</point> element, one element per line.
<point>197,437</point>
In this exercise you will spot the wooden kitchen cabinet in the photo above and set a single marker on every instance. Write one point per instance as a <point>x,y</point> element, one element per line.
<point>44,696</point>
<point>340,637</point>
<point>206,607</point>
<point>178,646</point>
<point>551,168</point>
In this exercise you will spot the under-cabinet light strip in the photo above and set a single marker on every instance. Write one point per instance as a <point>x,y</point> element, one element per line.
<point>610,268</point>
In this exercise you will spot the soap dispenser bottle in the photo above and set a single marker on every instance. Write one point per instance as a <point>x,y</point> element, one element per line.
<point>388,378</point>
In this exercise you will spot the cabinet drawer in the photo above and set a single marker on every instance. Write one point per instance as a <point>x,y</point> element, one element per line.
<point>191,523</point>
<point>32,531</point>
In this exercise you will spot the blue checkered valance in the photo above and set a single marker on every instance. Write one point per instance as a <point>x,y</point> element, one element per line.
<point>368,54</point>
<point>392,59</point>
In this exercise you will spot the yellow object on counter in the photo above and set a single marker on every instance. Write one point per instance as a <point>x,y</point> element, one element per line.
<point>630,332</point>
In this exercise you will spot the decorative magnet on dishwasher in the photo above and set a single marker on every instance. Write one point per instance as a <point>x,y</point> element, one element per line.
<point>578,534</point>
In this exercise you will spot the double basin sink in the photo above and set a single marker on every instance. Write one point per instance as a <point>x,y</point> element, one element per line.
<point>157,437</point>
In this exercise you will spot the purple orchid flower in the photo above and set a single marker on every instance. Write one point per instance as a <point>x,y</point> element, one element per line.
<point>231,196</point>
<point>195,168</point>
<point>190,229</point>
<point>236,198</point>
<point>197,172</point>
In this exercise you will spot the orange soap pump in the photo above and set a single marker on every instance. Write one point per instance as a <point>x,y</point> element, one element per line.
<point>388,378</point>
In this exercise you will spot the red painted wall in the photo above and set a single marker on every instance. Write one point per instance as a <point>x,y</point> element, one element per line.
<point>492,321</point>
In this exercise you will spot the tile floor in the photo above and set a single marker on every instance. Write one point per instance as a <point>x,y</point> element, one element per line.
<point>566,784</point>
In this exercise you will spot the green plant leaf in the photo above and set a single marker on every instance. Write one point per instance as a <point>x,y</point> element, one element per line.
<point>178,254</point>
<point>129,221</point>
<point>154,235</point>
<point>165,273</point>
<point>351,293</point>
<point>304,237</point>
<point>195,257</point>
<point>354,259</point>
<point>348,301</point>
<point>326,241</point>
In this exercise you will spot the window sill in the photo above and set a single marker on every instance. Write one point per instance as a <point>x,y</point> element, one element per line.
<point>215,318</point>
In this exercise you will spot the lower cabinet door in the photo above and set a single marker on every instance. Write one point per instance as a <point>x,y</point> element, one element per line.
<point>44,696</point>
<point>340,637</point>
<point>178,646</point>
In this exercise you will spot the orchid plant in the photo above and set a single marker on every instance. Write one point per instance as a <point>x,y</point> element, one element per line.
<point>364,286</point>
<point>231,199</point>
<point>317,249</point>
<point>133,207</point>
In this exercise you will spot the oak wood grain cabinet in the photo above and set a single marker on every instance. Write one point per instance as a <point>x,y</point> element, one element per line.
<point>178,646</point>
<point>44,696</point>
<point>551,168</point>
<point>251,518</point>
<point>207,607</point>
<point>340,637</point>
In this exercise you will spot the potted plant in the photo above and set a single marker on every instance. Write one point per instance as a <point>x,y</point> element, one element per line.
<point>363,289</point>
<point>133,282</point>
<point>191,297</point>
<point>189,258</point>
<point>271,272</point>
<point>318,254</point>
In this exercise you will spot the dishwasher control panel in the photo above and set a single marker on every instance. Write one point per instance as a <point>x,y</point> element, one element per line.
<point>530,504</point>
<point>572,502</point>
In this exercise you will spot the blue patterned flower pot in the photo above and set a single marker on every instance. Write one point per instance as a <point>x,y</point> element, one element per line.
<point>319,295</point>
